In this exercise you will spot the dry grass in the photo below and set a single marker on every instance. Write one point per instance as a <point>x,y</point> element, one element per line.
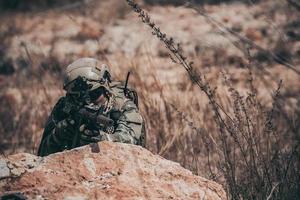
<point>250,155</point>
<point>251,145</point>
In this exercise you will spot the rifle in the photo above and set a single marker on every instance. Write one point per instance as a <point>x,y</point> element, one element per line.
<point>91,116</point>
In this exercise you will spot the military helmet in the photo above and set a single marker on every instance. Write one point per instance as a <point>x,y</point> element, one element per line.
<point>86,74</point>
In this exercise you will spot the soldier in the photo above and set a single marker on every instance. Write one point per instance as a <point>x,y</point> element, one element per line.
<point>93,109</point>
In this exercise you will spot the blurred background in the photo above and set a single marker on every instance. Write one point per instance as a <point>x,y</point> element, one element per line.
<point>243,48</point>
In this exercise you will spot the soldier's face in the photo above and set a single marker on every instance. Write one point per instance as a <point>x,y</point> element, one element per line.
<point>98,96</point>
<point>101,100</point>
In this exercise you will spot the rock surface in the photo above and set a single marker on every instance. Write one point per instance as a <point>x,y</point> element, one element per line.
<point>103,171</point>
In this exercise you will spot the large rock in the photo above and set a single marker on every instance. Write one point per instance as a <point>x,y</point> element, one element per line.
<point>103,171</point>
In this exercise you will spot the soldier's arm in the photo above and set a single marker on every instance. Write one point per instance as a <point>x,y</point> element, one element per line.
<point>130,126</point>
<point>58,138</point>
<point>50,142</point>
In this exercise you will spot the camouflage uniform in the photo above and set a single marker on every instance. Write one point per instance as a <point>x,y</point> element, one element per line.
<point>128,123</point>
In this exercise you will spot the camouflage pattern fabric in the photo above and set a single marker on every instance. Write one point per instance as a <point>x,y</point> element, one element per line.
<point>129,124</point>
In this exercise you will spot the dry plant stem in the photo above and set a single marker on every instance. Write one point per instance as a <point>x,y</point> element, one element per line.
<point>272,191</point>
<point>241,115</point>
<point>199,131</point>
<point>248,147</point>
<point>253,96</point>
<point>180,59</point>
<point>199,81</point>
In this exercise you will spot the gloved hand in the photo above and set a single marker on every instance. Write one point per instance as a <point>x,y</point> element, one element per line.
<point>88,136</point>
<point>64,129</point>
